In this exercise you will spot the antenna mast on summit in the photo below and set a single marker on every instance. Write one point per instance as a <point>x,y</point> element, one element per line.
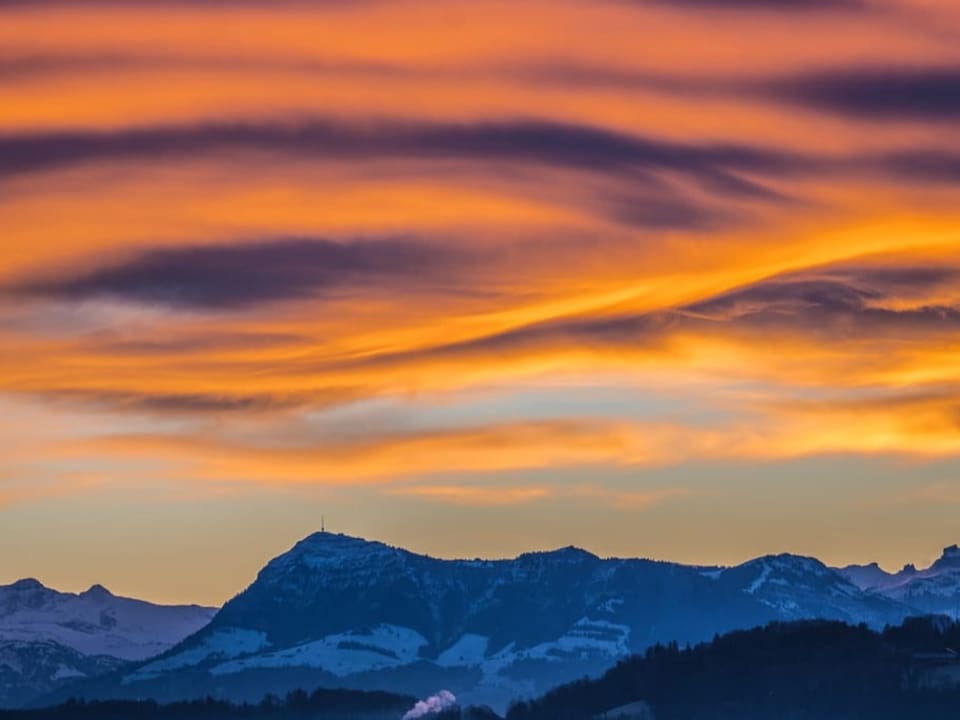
<point>322,526</point>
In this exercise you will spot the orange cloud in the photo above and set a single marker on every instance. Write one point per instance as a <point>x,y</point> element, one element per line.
<point>473,495</point>
<point>218,229</point>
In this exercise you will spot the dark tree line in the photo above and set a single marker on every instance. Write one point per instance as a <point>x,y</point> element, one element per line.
<point>798,671</point>
<point>321,704</point>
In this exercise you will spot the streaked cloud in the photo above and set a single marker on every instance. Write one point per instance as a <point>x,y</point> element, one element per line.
<point>224,277</point>
<point>551,144</point>
<point>881,93</point>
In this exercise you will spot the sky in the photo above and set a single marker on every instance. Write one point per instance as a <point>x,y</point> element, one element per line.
<point>663,278</point>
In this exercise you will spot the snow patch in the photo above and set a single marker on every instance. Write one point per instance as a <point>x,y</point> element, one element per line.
<point>63,673</point>
<point>227,643</point>
<point>341,654</point>
<point>761,579</point>
<point>587,638</point>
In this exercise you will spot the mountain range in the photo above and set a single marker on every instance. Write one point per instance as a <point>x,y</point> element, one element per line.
<point>51,639</point>
<point>935,589</point>
<point>339,611</point>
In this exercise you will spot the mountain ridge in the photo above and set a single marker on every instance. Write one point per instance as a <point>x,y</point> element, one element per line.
<point>344,611</point>
<point>934,589</point>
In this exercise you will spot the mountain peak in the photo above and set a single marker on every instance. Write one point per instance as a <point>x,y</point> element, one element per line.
<point>27,584</point>
<point>792,560</point>
<point>97,591</point>
<point>573,551</point>
<point>570,553</point>
<point>330,550</point>
<point>334,543</point>
<point>327,536</point>
<point>949,560</point>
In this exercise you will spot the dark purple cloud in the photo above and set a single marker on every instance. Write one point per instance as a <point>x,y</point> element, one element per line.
<point>728,170</point>
<point>718,166</point>
<point>881,93</point>
<point>199,403</point>
<point>772,5</point>
<point>864,92</point>
<point>224,277</point>
<point>939,166</point>
<point>665,212</point>
<point>931,93</point>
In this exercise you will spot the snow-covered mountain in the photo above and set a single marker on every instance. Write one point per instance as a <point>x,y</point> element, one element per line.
<point>935,589</point>
<point>49,638</point>
<point>341,611</point>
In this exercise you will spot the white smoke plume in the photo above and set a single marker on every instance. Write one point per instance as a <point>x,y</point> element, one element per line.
<point>443,700</point>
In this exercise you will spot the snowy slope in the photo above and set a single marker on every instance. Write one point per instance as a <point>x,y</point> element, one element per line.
<point>799,587</point>
<point>95,622</point>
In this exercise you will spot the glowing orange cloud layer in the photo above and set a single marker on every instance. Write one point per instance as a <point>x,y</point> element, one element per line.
<point>231,225</point>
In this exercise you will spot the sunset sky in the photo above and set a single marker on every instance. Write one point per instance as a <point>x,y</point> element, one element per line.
<point>668,278</point>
